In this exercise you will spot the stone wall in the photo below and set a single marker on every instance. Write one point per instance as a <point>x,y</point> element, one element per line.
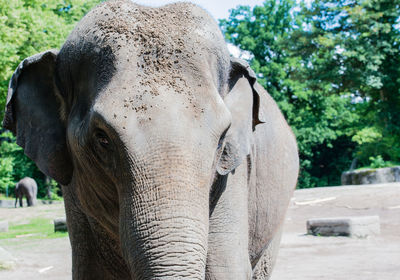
<point>7,203</point>
<point>371,176</point>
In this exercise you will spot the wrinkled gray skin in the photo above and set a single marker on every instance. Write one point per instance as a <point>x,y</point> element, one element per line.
<point>175,163</point>
<point>26,187</point>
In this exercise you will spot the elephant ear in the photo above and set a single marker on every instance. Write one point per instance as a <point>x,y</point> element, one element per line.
<point>243,101</point>
<point>33,115</point>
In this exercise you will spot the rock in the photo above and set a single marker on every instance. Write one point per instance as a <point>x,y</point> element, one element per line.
<point>3,226</point>
<point>50,201</point>
<point>60,224</point>
<point>7,261</point>
<point>7,203</point>
<point>371,176</point>
<point>359,227</point>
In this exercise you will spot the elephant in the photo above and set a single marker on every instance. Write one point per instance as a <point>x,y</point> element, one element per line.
<point>174,162</point>
<point>26,187</point>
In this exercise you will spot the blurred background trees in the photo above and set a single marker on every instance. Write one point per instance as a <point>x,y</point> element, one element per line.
<point>332,66</point>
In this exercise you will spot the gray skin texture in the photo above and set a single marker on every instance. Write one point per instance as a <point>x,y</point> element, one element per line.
<point>26,187</point>
<point>175,163</point>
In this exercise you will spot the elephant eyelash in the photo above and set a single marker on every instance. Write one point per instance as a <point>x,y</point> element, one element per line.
<point>102,139</point>
<point>220,142</point>
<point>222,138</point>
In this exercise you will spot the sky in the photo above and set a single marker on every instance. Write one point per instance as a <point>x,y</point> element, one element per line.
<point>217,8</point>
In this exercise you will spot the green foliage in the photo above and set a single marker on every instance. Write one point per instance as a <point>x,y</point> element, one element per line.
<point>32,26</point>
<point>16,166</point>
<point>318,118</point>
<point>367,57</point>
<point>6,178</point>
<point>379,162</point>
<point>367,135</point>
<point>333,68</point>
<point>55,191</point>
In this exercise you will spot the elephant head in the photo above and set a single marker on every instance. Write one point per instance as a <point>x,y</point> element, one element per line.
<point>141,110</point>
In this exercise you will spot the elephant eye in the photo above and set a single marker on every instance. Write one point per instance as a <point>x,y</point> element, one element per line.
<point>222,138</point>
<point>102,147</point>
<point>102,139</point>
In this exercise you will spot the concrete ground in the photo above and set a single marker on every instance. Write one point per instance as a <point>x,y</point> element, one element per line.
<point>304,257</point>
<point>301,256</point>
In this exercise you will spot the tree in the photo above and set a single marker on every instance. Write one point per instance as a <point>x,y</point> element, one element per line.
<point>319,115</point>
<point>333,68</point>
<point>32,26</point>
<point>365,35</point>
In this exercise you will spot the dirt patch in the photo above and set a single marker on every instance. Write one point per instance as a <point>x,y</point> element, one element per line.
<point>304,257</point>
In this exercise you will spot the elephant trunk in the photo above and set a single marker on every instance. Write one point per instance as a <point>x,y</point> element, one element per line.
<point>164,223</point>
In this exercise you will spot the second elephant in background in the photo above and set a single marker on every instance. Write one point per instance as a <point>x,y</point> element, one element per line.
<point>26,187</point>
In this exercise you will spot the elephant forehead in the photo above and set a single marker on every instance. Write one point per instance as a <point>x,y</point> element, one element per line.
<point>130,104</point>
<point>170,26</point>
<point>164,40</point>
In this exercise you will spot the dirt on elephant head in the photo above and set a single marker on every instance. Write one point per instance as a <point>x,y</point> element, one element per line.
<point>164,43</point>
